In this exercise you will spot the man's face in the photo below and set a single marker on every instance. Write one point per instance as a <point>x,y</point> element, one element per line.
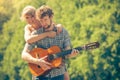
<point>46,21</point>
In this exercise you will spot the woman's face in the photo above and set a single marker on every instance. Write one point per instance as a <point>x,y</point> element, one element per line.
<point>30,19</point>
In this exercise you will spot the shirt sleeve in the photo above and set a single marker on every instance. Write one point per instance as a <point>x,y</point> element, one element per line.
<point>67,41</point>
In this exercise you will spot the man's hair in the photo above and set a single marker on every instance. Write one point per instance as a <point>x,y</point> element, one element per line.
<point>44,11</point>
<point>28,11</point>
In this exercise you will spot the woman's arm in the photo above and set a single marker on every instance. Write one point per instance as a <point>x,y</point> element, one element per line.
<point>29,38</point>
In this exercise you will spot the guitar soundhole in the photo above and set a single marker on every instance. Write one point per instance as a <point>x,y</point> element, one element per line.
<point>38,66</point>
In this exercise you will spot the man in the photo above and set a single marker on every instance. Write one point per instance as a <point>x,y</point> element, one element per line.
<point>45,15</point>
<point>28,15</point>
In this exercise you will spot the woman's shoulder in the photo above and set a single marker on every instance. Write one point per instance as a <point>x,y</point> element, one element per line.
<point>28,27</point>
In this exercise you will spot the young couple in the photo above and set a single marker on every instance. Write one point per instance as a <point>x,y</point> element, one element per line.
<point>43,32</point>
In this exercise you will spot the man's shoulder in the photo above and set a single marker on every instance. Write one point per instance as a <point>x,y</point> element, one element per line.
<point>64,30</point>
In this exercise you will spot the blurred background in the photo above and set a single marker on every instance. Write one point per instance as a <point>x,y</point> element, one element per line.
<point>86,21</point>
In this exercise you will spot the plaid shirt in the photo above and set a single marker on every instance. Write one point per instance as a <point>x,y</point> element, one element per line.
<point>62,40</point>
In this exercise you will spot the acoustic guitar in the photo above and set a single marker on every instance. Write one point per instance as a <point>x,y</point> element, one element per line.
<point>54,56</point>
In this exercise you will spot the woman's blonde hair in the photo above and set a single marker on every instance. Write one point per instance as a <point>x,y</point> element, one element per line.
<point>28,11</point>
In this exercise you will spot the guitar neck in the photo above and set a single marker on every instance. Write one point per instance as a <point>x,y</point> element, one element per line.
<point>93,45</point>
<point>61,54</point>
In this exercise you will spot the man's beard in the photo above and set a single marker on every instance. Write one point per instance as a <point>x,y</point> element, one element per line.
<point>49,25</point>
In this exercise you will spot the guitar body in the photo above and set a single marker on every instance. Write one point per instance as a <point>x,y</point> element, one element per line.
<point>39,53</point>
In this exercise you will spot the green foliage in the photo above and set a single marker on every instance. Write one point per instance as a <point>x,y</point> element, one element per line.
<point>86,21</point>
<point>5,13</point>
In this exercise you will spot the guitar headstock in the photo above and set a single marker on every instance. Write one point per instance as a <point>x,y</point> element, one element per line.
<point>92,45</point>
